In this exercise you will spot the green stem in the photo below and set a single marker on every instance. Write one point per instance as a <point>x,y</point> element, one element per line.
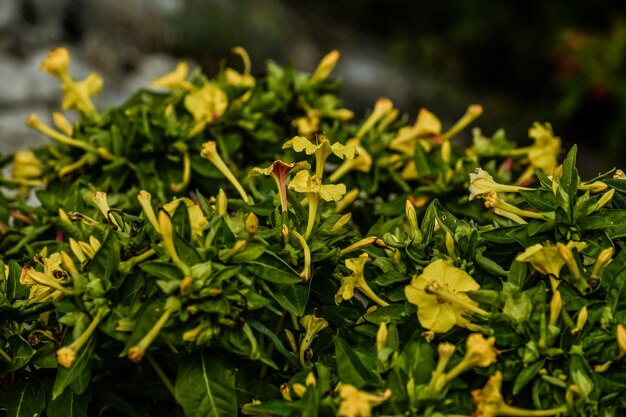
<point>166,381</point>
<point>314,199</point>
<point>5,356</point>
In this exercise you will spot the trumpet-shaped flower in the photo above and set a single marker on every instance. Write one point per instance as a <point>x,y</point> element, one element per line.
<point>357,403</point>
<point>304,182</point>
<point>362,163</point>
<point>308,125</point>
<point>197,221</point>
<point>101,202</point>
<point>209,151</point>
<point>427,125</point>
<point>439,293</point>
<point>548,260</point>
<point>312,326</point>
<point>206,105</point>
<point>357,280</point>
<point>482,184</point>
<point>175,79</point>
<point>279,170</point>
<point>543,154</point>
<point>56,62</point>
<point>322,150</point>
<point>489,402</point>
<point>77,94</point>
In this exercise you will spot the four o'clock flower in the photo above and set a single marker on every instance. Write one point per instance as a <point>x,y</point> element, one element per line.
<point>175,79</point>
<point>357,280</point>
<point>66,355</point>
<point>481,184</point>
<point>312,326</point>
<point>279,171</point>
<point>100,200</point>
<point>312,186</point>
<point>209,151</point>
<point>137,352</point>
<point>439,293</point>
<point>357,403</point>
<point>206,105</point>
<point>325,67</point>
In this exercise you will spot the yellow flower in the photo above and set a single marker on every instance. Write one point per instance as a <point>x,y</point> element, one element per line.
<point>546,259</point>
<point>25,165</point>
<point>57,62</point>
<point>307,125</point>
<point>279,170</point>
<point>197,221</point>
<point>206,105</point>
<point>481,184</point>
<point>312,326</point>
<point>209,151</point>
<point>304,182</point>
<point>77,94</point>
<point>357,403</point>
<point>544,152</point>
<point>325,67</point>
<point>322,149</point>
<point>489,402</point>
<point>427,125</point>
<point>357,280</point>
<point>100,200</point>
<point>145,199</point>
<point>235,78</point>
<point>362,163</point>
<point>175,79</point>
<point>439,293</point>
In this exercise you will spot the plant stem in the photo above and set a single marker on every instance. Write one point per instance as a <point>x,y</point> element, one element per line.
<point>166,381</point>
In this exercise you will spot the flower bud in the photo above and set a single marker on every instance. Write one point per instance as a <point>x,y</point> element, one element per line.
<point>62,123</point>
<point>580,321</point>
<point>291,340</point>
<point>449,243</point>
<point>361,244</point>
<point>221,203</point>
<point>298,389</point>
<point>251,224</point>
<point>285,392</point>
<point>621,337</point>
<point>325,67</point>
<point>343,220</point>
<point>56,62</point>
<point>603,259</point>
<point>411,215</point>
<point>556,304</point>
<point>381,336</point>
<point>347,199</point>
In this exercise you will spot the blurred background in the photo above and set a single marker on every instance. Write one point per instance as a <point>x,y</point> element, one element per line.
<point>524,61</point>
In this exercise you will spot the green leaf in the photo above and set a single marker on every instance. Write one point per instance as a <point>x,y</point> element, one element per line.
<point>349,367</point>
<point>21,353</point>
<point>542,200</point>
<point>273,269</point>
<point>81,366</point>
<point>106,261</point>
<point>25,400</point>
<point>205,388</point>
<point>291,297</point>
<point>15,290</point>
<point>68,404</point>
<point>163,270</point>
<point>420,158</point>
<point>526,375</point>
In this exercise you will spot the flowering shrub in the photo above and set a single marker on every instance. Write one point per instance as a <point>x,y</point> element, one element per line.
<point>382,270</point>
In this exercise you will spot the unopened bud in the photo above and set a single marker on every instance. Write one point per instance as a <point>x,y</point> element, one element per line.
<point>326,66</point>
<point>298,389</point>
<point>285,392</point>
<point>347,200</point>
<point>361,244</point>
<point>252,224</point>
<point>411,215</point>
<point>603,259</point>
<point>449,243</point>
<point>63,216</point>
<point>221,203</point>
<point>310,379</point>
<point>619,175</point>
<point>580,321</point>
<point>556,304</point>
<point>61,122</point>
<point>291,340</point>
<point>446,151</point>
<point>621,337</point>
<point>343,220</point>
<point>381,336</point>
